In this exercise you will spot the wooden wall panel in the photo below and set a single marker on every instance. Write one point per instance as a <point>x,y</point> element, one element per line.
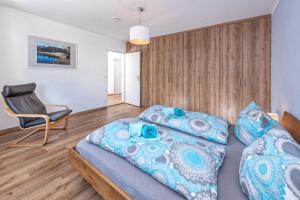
<point>162,64</point>
<point>231,60</point>
<point>201,70</point>
<point>257,62</point>
<point>209,71</point>
<point>155,66</point>
<point>176,70</point>
<point>145,94</point>
<point>192,57</point>
<point>217,70</point>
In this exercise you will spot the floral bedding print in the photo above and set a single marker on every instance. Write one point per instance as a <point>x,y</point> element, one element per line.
<point>188,165</point>
<point>270,167</point>
<point>198,124</point>
<point>252,123</point>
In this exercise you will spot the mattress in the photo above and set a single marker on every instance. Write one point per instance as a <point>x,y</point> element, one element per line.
<point>137,183</point>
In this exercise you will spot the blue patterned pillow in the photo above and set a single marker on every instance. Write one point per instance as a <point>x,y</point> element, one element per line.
<point>252,123</point>
<point>195,123</point>
<point>271,177</point>
<point>275,142</point>
<point>270,167</point>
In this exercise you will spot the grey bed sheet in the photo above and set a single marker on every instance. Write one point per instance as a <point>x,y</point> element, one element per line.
<point>141,186</point>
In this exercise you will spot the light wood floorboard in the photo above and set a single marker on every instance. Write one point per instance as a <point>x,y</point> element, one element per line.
<point>114,99</point>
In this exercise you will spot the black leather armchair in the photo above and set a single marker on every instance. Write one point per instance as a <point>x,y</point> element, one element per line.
<point>22,102</point>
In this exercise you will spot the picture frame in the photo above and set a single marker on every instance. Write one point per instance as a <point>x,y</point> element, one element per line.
<point>44,53</point>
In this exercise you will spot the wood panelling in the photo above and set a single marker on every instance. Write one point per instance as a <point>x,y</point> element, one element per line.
<point>192,42</point>
<point>209,71</point>
<point>217,70</point>
<point>257,62</point>
<point>176,70</point>
<point>231,62</point>
<point>201,70</point>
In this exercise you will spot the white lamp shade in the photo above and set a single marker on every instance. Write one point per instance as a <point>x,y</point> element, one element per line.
<point>139,35</point>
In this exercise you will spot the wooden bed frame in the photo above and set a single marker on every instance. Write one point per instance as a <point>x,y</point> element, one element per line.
<point>103,185</point>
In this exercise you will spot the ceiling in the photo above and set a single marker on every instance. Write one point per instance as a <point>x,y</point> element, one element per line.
<point>162,16</point>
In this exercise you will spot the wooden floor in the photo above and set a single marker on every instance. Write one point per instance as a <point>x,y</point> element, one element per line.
<point>44,172</point>
<point>114,99</point>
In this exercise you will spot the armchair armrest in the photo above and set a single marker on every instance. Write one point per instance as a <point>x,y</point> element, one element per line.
<point>13,114</point>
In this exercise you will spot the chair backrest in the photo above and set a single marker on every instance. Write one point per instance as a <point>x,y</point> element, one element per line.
<point>22,100</point>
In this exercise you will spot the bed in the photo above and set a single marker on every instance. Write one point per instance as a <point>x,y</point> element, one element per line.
<point>115,178</point>
<point>254,143</point>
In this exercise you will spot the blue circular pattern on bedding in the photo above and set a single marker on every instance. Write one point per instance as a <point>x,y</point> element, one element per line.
<point>288,147</point>
<point>131,150</point>
<point>199,125</point>
<point>192,162</point>
<point>264,174</point>
<point>122,134</point>
<point>270,167</point>
<point>163,132</point>
<point>264,171</point>
<point>162,159</point>
<point>176,123</point>
<point>152,149</point>
<point>155,117</point>
<point>118,134</point>
<point>193,159</point>
<point>153,156</point>
<point>292,178</point>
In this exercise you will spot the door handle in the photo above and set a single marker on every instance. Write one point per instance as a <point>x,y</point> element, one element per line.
<point>138,78</point>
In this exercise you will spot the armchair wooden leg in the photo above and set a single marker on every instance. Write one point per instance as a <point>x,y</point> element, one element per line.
<point>46,128</point>
<point>66,121</point>
<point>18,144</point>
<point>63,122</point>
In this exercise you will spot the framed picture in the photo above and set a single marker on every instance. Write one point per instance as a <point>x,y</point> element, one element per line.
<point>51,54</point>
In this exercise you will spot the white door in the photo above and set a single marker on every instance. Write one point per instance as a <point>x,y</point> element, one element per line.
<point>132,78</point>
<point>118,76</point>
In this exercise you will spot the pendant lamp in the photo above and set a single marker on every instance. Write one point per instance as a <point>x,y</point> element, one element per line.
<point>139,35</point>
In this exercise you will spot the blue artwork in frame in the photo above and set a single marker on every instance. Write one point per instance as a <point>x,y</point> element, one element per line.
<point>47,53</point>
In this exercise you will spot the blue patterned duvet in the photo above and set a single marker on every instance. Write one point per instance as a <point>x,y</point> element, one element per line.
<point>184,163</point>
<point>210,127</point>
<point>270,167</point>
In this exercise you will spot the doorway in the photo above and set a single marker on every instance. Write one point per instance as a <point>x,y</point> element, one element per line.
<point>115,78</point>
<point>123,78</point>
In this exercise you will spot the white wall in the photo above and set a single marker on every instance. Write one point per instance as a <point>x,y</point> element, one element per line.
<point>82,89</point>
<point>111,70</point>
<point>286,58</point>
